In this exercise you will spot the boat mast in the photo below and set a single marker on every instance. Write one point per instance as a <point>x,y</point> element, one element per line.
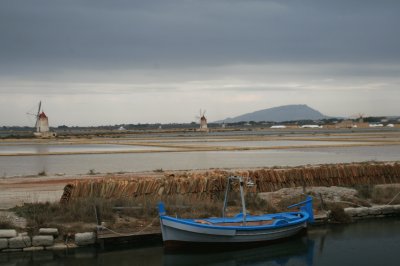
<point>228,185</point>
<point>243,202</point>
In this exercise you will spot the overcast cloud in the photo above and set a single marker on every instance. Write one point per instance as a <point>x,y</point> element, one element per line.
<point>109,62</point>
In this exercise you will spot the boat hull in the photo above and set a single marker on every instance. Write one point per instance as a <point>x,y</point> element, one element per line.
<point>174,232</point>
<point>174,246</point>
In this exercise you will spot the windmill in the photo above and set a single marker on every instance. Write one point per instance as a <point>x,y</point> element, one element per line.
<point>203,120</point>
<point>42,124</point>
<point>37,117</point>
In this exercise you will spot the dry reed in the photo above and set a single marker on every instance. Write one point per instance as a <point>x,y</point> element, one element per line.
<point>210,184</point>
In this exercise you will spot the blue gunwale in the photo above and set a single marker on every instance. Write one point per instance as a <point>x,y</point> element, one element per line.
<point>304,216</point>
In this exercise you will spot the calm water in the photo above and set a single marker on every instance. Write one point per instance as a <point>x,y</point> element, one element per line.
<point>270,143</point>
<point>81,164</point>
<point>374,242</point>
<point>45,148</point>
<point>118,145</point>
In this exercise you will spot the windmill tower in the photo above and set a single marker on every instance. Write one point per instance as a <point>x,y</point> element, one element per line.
<point>42,124</point>
<point>203,121</point>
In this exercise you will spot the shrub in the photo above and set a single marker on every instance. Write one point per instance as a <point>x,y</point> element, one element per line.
<point>42,173</point>
<point>364,191</point>
<point>92,172</point>
<point>6,223</point>
<point>383,194</point>
<point>338,215</point>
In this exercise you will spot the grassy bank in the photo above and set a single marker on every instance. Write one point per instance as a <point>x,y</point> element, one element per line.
<point>133,214</point>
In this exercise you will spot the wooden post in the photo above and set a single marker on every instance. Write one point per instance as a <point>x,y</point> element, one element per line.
<point>322,201</point>
<point>97,214</point>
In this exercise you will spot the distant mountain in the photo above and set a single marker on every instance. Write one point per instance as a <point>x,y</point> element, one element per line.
<point>279,114</point>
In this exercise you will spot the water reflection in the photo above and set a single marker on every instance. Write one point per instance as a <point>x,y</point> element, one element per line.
<point>41,162</point>
<point>32,149</point>
<point>297,251</point>
<point>294,252</point>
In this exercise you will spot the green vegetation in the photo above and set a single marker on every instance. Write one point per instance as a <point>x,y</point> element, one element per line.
<point>6,223</point>
<point>383,194</point>
<point>92,172</point>
<point>338,215</point>
<point>42,173</point>
<point>72,215</point>
<point>129,213</point>
<point>364,191</point>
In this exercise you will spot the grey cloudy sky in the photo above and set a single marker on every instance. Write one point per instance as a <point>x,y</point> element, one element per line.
<point>110,62</point>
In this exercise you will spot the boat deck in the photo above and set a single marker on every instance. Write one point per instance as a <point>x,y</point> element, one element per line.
<point>267,219</point>
<point>253,223</point>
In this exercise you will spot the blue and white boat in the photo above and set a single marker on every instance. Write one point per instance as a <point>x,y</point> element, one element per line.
<point>240,229</point>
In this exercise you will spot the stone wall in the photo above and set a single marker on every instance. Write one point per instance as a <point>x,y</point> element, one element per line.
<point>11,241</point>
<point>375,211</point>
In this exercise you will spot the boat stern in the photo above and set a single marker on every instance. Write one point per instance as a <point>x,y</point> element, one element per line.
<point>307,207</point>
<point>161,213</point>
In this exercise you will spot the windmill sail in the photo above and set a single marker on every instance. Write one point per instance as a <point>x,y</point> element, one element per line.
<point>37,117</point>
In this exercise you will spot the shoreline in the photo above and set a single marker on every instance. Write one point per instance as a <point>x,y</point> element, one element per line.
<point>34,189</point>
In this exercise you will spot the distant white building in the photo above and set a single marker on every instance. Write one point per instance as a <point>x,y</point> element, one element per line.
<point>375,125</point>
<point>311,126</point>
<point>278,126</point>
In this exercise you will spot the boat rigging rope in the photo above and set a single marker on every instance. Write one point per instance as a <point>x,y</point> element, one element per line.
<point>131,234</point>
<point>393,198</point>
